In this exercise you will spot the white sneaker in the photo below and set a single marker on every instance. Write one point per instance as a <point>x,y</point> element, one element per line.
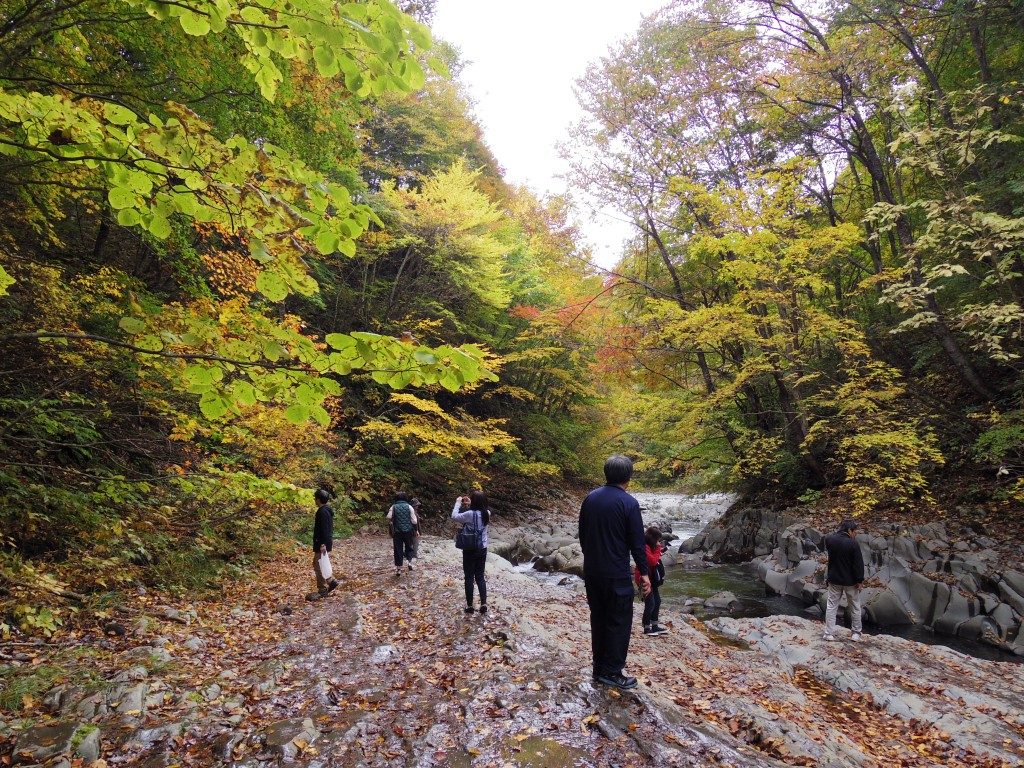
<point>828,637</point>
<point>855,638</point>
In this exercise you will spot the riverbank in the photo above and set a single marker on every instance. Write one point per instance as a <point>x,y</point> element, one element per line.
<point>390,672</point>
<point>951,577</point>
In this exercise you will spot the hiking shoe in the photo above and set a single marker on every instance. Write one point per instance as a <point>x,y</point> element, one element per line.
<point>469,609</point>
<point>855,638</point>
<point>653,630</point>
<point>483,609</point>
<point>313,596</point>
<point>829,638</point>
<point>616,681</point>
<point>331,587</point>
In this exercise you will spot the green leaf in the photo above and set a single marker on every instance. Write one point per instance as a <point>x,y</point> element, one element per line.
<point>213,406</point>
<point>297,413</point>
<point>128,217</point>
<point>6,281</point>
<point>159,226</point>
<point>272,286</point>
<point>340,340</point>
<point>194,24</point>
<point>120,197</point>
<point>305,395</point>
<point>273,351</point>
<point>131,325</point>
<point>119,115</point>
<point>320,415</point>
<point>244,393</point>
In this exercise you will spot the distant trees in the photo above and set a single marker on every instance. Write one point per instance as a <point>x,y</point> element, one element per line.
<point>825,208</point>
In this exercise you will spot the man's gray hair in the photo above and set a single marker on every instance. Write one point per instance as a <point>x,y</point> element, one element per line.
<point>618,469</point>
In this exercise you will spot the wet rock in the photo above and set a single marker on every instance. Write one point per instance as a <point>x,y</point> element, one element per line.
<point>722,601</point>
<point>147,737</point>
<point>132,674</point>
<point>172,614</point>
<point>1015,580</point>
<point>130,700</point>
<point>147,654</point>
<point>1011,596</point>
<point>45,742</point>
<point>287,738</point>
<point>223,746</point>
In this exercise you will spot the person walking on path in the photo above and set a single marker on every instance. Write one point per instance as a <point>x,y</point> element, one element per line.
<point>472,510</point>
<point>323,541</point>
<point>611,529</point>
<point>845,576</point>
<point>403,522</point>
<point>652,603</point>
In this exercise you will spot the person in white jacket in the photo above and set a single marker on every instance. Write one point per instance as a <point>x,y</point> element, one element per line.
<point>472,511</point>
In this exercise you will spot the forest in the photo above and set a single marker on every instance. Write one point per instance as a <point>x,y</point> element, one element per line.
<point>252,249</point>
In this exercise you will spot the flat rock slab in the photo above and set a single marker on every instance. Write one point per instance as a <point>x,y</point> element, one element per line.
<point>47,741</point>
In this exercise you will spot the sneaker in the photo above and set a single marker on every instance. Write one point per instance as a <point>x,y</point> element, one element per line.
<point>855,637</point>
<point>483,608</point>
<point>469,609</point>
<point>331,587</point>
<point>410,566</point>
<point>650,631</point>
<point>313,596</point>
<point>828,637</point>
<point>616,681</point>
<point>657,629</point>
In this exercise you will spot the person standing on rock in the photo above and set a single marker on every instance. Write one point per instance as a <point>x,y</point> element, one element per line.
<point>652,603</point>
<point>403,521</point>
<point>845,576</point>
<point>611,529</point>
<point>472,511</point>
<point>323,541</point>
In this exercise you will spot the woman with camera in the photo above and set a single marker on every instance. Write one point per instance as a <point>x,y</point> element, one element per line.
<point>472,512</point>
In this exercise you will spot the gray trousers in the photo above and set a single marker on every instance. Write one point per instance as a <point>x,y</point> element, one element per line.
<point>835,595</point>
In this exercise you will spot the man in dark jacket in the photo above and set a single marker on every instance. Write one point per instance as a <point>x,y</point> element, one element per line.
<point>845,576</point>
<point>323,541</point>
<point>611,530</point>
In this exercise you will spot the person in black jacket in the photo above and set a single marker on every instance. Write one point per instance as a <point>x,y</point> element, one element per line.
<point>845,576</point>
<point>611,529</point>
<point>323,542</point>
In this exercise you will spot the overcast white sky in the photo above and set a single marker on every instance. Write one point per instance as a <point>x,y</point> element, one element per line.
<point>524,57</point>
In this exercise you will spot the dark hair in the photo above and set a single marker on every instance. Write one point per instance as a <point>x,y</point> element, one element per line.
<point>414,502</point>
<point>849,524</point>
<point>402,496</point>
<point>618,469</point>
<point>652,537</point>
<point>322,496</point>
<point>478,501</point>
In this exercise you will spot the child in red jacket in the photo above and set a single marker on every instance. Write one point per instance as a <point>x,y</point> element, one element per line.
<point>652,603</point>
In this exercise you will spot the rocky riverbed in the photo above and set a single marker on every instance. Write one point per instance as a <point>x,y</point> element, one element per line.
<point>955,582</point>
<point>390,672</point>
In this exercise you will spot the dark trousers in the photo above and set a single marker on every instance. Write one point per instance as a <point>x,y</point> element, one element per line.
<point>473,562</point>
<point>652,604</point>
<point>405,546</point>
<point>611,620</point>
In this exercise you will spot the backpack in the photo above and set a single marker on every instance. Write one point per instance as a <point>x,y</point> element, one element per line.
<point>401,517</point>
<point>470,536</point>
